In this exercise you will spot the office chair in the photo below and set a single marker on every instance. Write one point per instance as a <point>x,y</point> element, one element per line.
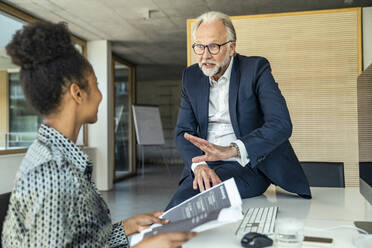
<point>324,174</point>
<point>4,202</point>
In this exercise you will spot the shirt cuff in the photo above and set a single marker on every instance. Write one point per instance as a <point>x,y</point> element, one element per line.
<point>243,160</point>
<point>194,165</point>
<point>118,237</point>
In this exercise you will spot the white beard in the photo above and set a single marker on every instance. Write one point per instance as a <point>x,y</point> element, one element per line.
<point>216,69</point>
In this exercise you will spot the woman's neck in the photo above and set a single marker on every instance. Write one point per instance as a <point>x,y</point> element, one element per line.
<point>65,123</point>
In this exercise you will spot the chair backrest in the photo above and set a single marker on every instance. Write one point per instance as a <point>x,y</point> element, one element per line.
<point>324,174</point>
<point>4,202</point>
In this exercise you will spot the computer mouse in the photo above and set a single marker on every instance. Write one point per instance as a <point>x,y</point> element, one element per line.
<point>256,240</point>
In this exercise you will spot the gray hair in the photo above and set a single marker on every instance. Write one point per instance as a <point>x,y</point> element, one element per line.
<point>215,16</point>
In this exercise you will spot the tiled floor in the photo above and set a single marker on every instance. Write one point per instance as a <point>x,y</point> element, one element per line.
<point>149,193</point>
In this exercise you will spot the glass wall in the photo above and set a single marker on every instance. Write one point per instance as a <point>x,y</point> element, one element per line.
<point>23,120</point>
<point>122,79</point>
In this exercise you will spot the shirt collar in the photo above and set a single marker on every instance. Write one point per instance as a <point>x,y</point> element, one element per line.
<point>226,76</point>
<point>69,150</point>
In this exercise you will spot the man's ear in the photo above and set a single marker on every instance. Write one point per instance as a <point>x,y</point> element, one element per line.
<point>232,48</point>
<point>76,93</point>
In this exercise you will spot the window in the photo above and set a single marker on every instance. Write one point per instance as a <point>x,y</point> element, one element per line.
<point>19,123</point>
<point>15,113</point>
<point>23,120</point>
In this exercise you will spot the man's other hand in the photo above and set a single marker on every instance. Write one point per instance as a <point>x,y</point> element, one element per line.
<point>211,151</point>
<point>205,178</point>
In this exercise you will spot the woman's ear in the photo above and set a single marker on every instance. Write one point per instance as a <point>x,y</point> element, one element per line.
<point>76,93</point>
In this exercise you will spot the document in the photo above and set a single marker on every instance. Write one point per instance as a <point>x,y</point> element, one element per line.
<point>214,207</point>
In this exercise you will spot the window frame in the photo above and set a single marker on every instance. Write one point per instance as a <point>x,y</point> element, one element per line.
<point>132,100</point>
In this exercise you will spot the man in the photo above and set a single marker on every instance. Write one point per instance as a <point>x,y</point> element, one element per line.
<point>233,120</point>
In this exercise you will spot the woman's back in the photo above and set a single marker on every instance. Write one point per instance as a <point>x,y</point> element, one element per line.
<point>54,202</point>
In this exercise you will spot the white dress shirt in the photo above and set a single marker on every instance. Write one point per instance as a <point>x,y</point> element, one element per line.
<point>220,130</point>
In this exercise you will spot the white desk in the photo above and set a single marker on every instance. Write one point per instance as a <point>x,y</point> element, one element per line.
<point>329,207</point>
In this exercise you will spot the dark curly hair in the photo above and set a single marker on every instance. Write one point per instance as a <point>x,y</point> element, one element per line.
<point>49,63</point>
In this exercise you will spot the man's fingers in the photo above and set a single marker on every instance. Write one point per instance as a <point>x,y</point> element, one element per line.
<point>206,179</point>
<point>201,146</point>
<point>218,180</point>
<point>215,179</point>
<point>198,145</point>
<point>200,183</point>
<point>195,184</point>
<point>196,140</point>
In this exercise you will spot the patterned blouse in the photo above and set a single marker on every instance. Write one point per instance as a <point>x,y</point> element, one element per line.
<point>55,203</point>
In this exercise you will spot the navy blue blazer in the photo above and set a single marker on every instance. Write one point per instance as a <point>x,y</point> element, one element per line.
<point>259,116</point>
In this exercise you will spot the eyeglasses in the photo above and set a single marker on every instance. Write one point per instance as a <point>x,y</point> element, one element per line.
<point>213,48</point>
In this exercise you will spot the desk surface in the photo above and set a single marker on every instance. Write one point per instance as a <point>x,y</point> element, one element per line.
<point>329,207</point>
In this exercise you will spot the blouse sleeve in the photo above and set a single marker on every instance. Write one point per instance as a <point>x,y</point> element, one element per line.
<point>118,237</point>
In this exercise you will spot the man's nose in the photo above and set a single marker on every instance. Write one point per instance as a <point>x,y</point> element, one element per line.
<point>206,54</point>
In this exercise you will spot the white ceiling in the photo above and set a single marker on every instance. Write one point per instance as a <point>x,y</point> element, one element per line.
<point>160,39</point>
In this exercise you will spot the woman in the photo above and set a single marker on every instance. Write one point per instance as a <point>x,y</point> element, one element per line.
<point>54,203</point>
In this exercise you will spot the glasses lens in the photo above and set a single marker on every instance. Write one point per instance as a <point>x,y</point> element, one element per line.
<point>213,48</point>
<point>198,49</point>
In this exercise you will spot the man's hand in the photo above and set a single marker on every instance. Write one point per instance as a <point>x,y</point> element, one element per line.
<point>211,151</point>
<point>141,222</point>
<point>204,177</point>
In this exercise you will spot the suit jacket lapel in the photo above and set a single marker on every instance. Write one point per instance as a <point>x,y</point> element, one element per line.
<point>204,106</point>
<point>233,95</point>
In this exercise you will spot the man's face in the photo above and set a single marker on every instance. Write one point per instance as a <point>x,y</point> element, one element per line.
<point>208,33</point>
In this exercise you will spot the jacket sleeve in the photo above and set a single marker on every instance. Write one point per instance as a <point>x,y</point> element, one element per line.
<point>186,123</point>
<point>277,126</point>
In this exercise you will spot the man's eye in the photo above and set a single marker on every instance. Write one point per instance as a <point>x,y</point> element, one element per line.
<point>212,46</point>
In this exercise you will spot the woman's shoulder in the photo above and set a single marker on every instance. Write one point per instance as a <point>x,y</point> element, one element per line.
<point>37,154</point>
<point>42,166</point>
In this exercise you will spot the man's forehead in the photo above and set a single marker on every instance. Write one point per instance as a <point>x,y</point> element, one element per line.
<point>211,31</point>
<point>203,40</point>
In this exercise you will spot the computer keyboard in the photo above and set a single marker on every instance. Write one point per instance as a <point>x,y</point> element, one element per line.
<point>260,220</point>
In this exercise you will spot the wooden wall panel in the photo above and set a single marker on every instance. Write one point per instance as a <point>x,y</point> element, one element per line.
<point>315,58</point>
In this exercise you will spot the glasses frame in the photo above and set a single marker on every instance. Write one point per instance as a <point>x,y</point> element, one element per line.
<point>207,46</point>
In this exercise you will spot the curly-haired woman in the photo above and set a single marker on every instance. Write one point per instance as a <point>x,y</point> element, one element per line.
<point>54,202</point>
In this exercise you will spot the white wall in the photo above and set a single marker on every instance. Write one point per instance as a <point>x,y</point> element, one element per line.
<point>101,134</point>
<point>9,165</point>
<point>367,37</point>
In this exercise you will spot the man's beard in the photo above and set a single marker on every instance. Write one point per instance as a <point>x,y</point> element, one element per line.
<point>216,69</point>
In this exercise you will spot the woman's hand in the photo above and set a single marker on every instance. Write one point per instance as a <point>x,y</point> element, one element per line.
<point>166,240</point>
<point>142,222</point>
